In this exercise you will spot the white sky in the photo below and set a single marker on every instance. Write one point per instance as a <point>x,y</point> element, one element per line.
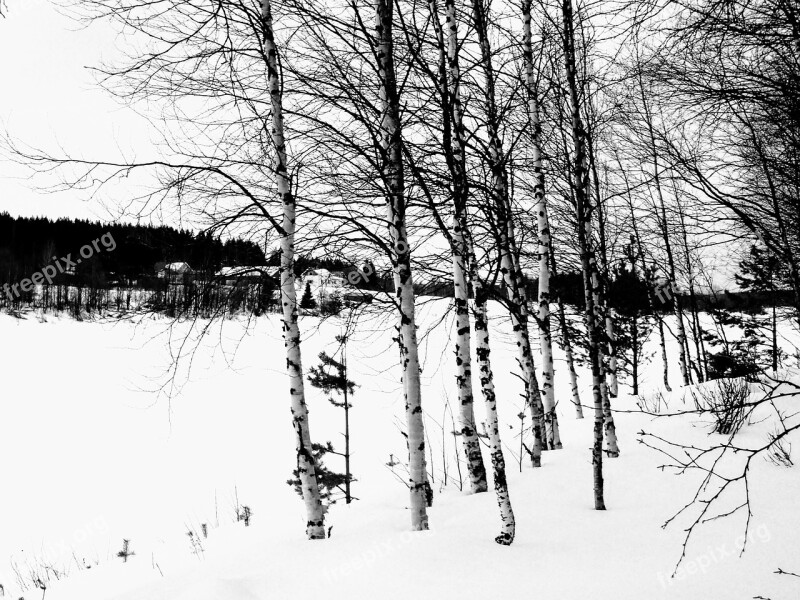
<point>49,97</point>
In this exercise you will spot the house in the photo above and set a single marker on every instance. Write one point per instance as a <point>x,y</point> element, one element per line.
<point>326,284</point>
<point>176,272</point>
<point>244,275</point>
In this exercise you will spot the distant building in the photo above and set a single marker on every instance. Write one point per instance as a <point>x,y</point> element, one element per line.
<point>244,275</point>
<point>176,272</point>
<point>326,284</point>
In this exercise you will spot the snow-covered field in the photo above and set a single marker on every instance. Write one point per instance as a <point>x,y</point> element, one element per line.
<point>100,442</point>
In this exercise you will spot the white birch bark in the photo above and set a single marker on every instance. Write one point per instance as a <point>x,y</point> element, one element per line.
<point>664,360</point>
<point>467,429</point>
<point>610,358</point>
<point>584,230</point>
<point>573,375</point>
<point>315,526</point>
<point>466,422</point>
<point>612,448</point>
<point>553,437</point>
<point>551,432</point>
<point>483,351</point>
<point>505,237</point>
<point>514,282</point>
<point>603,316</point>
<point>567,345</point>
<point>453,143</point>
<point>613,383</point>
<point>392,176</point>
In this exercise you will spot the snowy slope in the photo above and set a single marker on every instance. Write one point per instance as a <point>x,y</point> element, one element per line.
<point>94,454</point>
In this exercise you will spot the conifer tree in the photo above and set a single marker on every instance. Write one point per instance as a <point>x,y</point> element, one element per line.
<point>330,376</point>
<point>307,302</point>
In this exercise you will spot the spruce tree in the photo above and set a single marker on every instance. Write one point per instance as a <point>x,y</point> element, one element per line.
<point>307,302</point>
<point>330,376</point>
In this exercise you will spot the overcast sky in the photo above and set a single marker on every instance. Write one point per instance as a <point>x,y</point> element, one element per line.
<point>49,97</point>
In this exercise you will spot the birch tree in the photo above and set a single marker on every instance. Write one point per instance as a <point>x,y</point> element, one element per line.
<point>392,174</point>
<point>552,435</point>
<point>227,163</point>
<point>455,151</point>
<point>315,527</point>
<point>508,527</point>
<point>566,343</point>
<point>580,174</point>
<point>506,244</point>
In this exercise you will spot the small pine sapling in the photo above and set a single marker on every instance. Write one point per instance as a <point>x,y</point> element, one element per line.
<point>329,481</point>
<point>330,376</point>
<point>125,552</point>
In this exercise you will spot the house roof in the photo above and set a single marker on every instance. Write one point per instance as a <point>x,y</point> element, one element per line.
<point>238,271</point>
<point>324,273</point>
<point>177,267</point>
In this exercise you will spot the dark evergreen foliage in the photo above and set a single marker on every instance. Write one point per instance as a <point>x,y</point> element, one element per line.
<point>28,244</point>
<point>330,376</point>
<point>307,302</point>
<point>330,483</point>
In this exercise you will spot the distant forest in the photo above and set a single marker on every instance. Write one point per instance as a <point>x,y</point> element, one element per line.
<point>123,272</point>
<point>28,244</point>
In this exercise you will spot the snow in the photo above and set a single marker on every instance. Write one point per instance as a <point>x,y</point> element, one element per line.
<point>95,451</point>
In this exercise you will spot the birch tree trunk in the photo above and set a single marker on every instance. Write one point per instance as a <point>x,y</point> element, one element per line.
<point>515,284</point>
<point>521,317</point>
<point>483,351</point>
<point>584,228</point>
<point>610,362</point>
<point>573,375</point>
<point>552,435</point>
<point>455,145</point>
<point>601,317</point>
<point>611,337</point>
<point>394,183</point>
<point>664,360</point>
<point>505,236</point>
<point>567,345</point>
<point>602,320</point>
<point>612,449</point>
<point>466,423</point>
<point>315,526</point>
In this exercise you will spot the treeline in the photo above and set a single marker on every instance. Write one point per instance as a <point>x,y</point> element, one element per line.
<point>29,244</point>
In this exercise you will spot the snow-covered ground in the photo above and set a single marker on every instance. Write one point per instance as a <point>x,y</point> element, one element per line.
<point>100,442</point>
